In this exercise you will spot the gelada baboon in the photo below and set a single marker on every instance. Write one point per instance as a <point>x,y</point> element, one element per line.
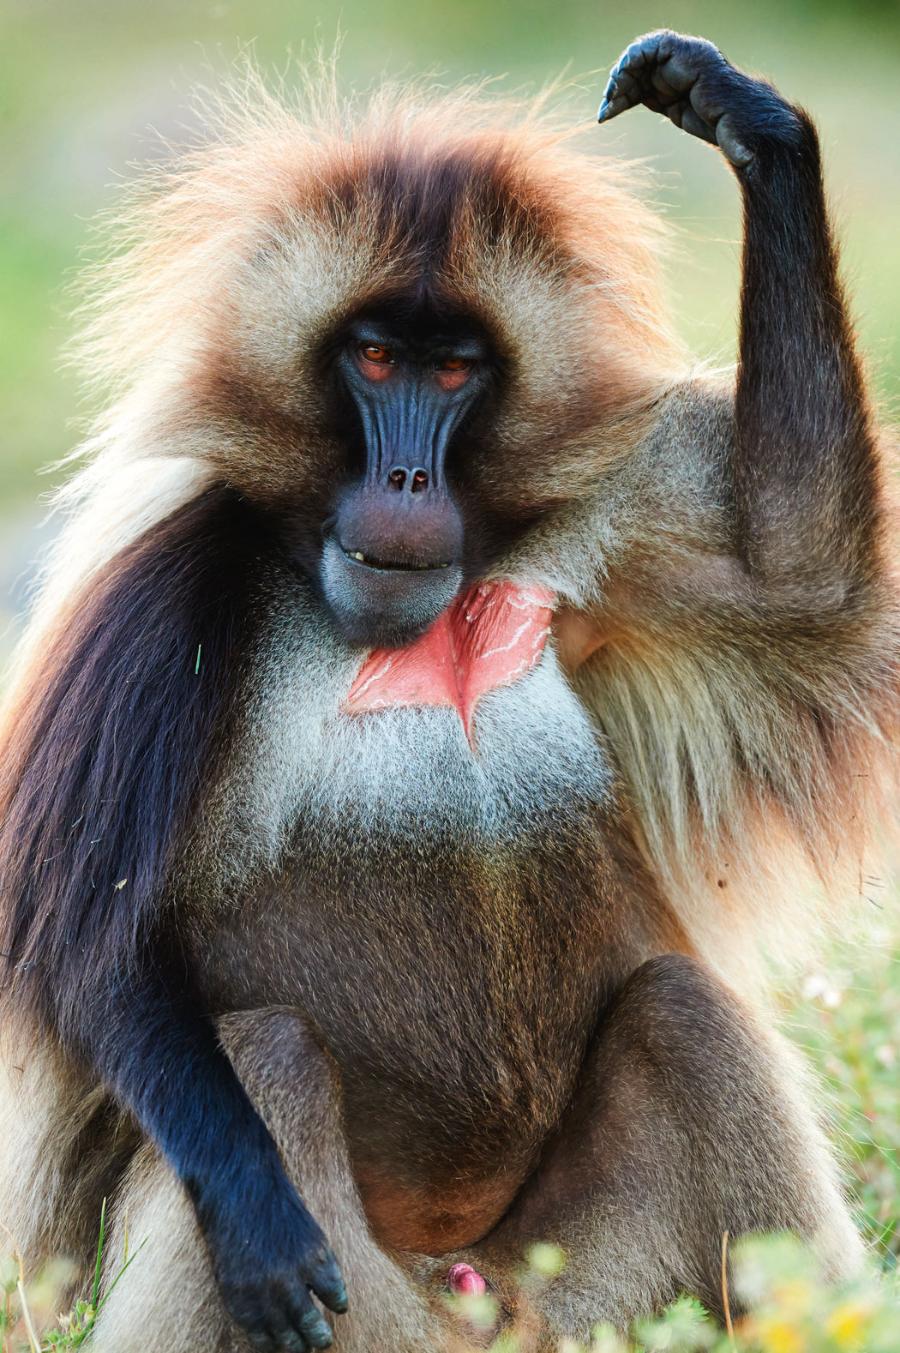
<point>435,685</point>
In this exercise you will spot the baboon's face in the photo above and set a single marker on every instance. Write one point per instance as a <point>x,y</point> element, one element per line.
<point>398,537</point>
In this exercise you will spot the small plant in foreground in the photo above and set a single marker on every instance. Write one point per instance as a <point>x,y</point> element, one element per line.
<point>25,1313</point>
<point>789,1309</point>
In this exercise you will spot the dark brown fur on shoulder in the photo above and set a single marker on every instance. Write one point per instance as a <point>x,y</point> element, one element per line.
<point>107,752</point>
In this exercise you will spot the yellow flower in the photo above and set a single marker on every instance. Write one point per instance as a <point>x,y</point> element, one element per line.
<point>847,1323</point>
<point>778,1336</point>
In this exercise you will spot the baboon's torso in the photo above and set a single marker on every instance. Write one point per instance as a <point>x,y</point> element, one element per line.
<point>451,937</point>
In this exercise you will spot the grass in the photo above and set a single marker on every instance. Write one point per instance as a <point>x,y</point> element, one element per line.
<point>848,1023</point>
<point>26,1311</point>
<point>790,1311</point>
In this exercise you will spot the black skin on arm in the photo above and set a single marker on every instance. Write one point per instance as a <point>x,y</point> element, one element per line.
<point>804,465</point>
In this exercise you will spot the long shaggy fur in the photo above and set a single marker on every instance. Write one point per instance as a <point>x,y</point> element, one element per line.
<point>286,214</point>
<point>258,208</point>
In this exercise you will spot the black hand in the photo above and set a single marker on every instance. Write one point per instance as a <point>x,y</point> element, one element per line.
<point>269,1257</point>
<point>162,1056</point>
<point>688,80</point>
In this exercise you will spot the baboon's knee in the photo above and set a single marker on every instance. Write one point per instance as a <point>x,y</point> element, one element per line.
<point>686,1024</point>
<point>754,1156</point>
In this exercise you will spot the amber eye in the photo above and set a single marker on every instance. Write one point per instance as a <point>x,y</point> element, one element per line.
<point>374,352</point>
<point>452,373</point>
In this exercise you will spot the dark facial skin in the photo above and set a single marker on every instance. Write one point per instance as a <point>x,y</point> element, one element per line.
<point>393,555</point>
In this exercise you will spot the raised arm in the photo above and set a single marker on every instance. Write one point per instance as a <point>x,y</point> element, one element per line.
<point>804,455</point>
<point>748,678</point>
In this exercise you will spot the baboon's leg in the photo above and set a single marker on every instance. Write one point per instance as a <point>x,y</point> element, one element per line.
<point>166,1301</point>
<point>63,1147</point>
<point>688,1123</point>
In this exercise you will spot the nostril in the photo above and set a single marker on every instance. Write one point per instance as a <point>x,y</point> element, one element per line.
<point>419,480</point>
<point>397,477</point>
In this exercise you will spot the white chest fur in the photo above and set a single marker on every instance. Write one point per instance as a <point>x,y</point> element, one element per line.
<point>302,759</point>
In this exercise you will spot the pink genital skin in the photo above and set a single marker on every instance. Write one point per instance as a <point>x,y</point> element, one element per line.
<point>465,1281</point>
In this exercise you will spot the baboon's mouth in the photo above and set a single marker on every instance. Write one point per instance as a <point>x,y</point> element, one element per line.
<point>392,566</point>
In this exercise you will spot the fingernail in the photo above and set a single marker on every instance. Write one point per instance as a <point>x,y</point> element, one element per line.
<point>318,1333</point>
<point>604,109</point>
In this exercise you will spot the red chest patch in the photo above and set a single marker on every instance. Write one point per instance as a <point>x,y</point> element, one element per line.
<point>491,636</point>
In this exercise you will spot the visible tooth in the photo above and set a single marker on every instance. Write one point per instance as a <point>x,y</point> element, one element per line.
<point>358,554</point>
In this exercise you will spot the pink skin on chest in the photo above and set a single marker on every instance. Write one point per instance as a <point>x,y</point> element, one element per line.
<point>491,636</point>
